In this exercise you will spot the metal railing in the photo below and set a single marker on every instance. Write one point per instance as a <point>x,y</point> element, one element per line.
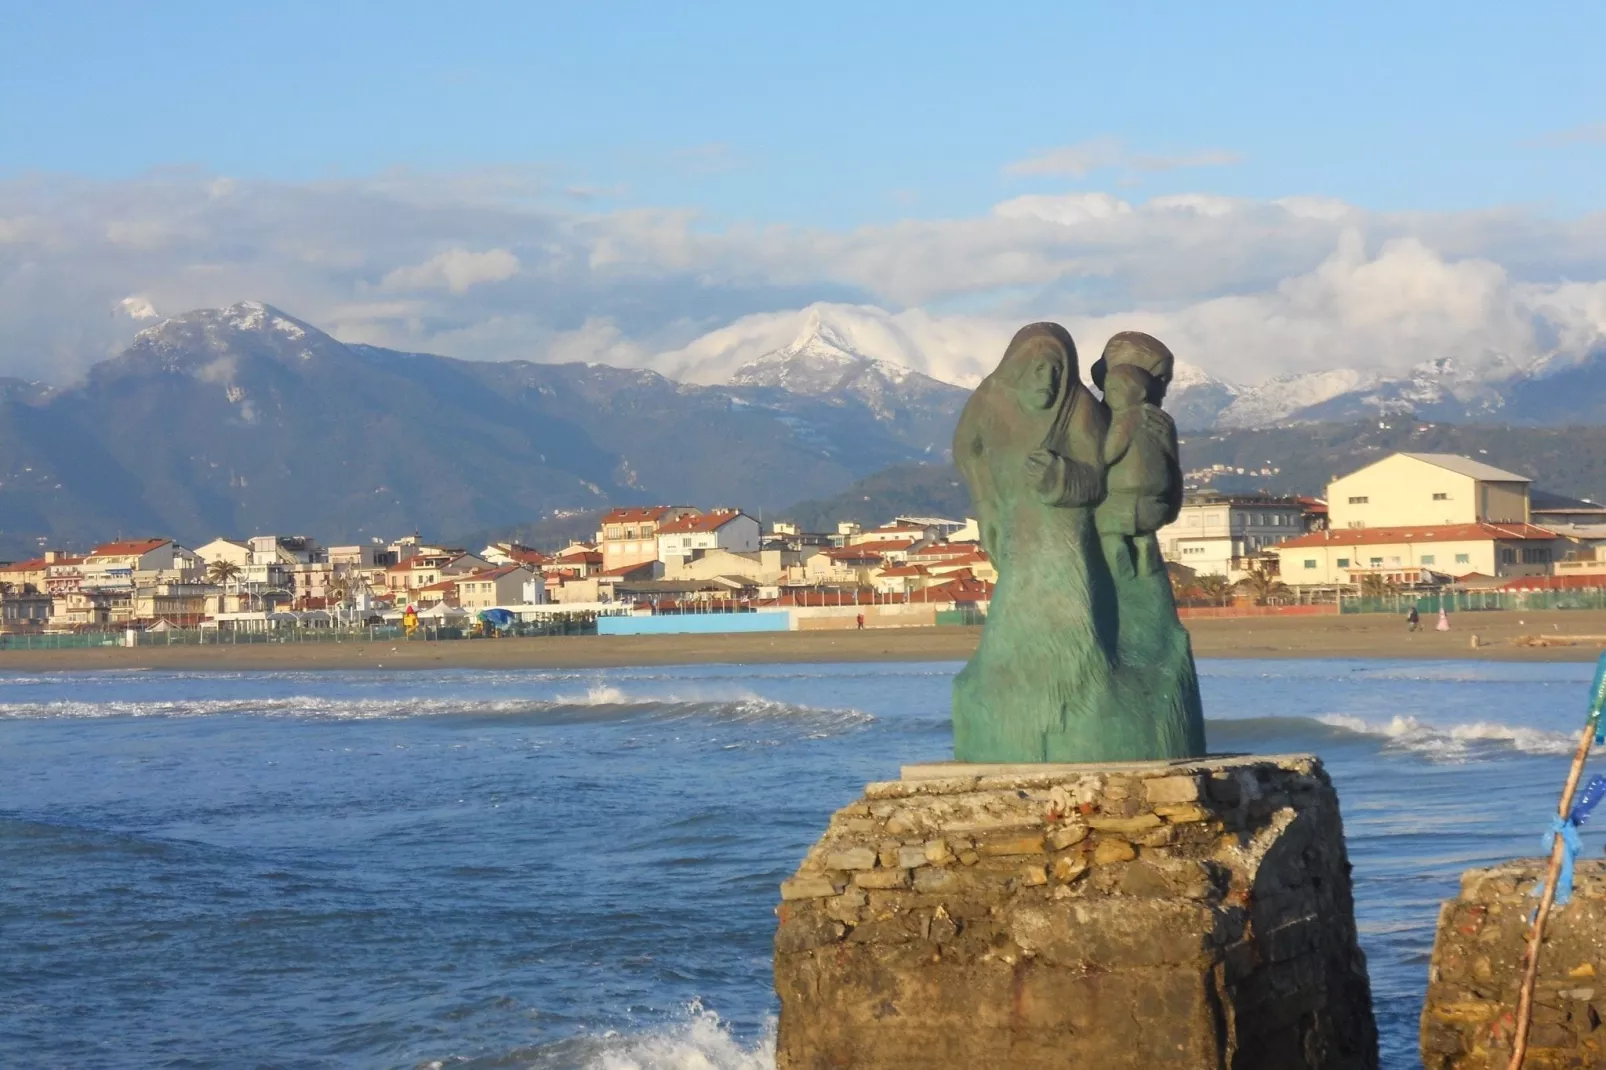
<point>1473,601</point>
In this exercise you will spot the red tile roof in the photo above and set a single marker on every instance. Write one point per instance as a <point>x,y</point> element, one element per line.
<point>851,553</point>
<point>626,570</point>
<point>972,558</point>
<point>526,556</point>
<point>1439,533</point>
<point>490,573</point>
<point>905,570</point>
<point>129,548</point>
<point>33,564</point>
<point>943,549</point>
<point>637,513</point>
<point>882,546</point>
<point>960,590</point>
<point>706,522</point>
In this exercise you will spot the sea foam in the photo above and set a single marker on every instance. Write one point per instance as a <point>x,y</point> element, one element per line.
<point>1477,740</point>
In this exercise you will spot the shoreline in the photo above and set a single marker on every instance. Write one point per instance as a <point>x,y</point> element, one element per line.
<point>1372,635</point>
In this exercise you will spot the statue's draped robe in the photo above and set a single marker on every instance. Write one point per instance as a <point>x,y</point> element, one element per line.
<point>1037,683</point>
<point>1070,665</point>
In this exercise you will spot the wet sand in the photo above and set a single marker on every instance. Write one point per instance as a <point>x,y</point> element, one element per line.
<point>1357,636</point>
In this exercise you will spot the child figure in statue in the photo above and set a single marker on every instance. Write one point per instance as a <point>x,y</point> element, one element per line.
<point>1144,479</point>
<point>1154,680</point>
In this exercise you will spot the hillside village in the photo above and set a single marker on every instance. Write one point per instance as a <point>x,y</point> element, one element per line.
<point>1409,522</point>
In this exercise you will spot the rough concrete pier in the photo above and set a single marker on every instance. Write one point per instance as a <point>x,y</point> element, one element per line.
<point>1473,983</point>
<point>1183,914</point>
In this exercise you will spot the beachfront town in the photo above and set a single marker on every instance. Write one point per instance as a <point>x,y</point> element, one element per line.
<point>1408,522</point>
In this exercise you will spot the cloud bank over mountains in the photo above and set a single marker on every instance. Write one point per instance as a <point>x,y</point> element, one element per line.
<point>496,266</point>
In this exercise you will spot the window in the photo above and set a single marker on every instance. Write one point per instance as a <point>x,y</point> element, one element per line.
<point>1376,562</point>
<point>1441,497</point>
<point>1536,556</point>
<point>1463,559</point>
<point>1427,559</point>
<point>1508,557</point>
<point>1343,562</point>
<point>1310,562</point>
<point>1394,562</point>
<point>1358,501</point>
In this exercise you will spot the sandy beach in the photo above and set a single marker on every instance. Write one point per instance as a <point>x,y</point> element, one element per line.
<point>1358,636</point>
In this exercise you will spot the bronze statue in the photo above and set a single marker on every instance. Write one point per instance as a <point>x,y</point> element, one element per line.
<point>1083,657</point>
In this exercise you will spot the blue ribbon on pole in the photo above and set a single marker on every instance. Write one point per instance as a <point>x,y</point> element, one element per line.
<point>1571,844</point>
<point>1588,799</point>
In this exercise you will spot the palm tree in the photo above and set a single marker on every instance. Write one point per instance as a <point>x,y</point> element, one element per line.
<point>1376,585</point>
<point>339,592</point>
<point>1263,585</point>
<point>1214,587</point>
<point>223,573</point>
<point>1182,589</point>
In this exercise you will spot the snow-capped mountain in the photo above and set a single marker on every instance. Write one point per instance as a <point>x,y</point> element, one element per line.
<point>1196,399</point>
<point>823,362</point>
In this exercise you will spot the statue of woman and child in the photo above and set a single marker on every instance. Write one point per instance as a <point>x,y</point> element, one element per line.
<point>1083,658</point>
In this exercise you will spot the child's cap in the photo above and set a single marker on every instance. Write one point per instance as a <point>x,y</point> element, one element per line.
<point>1140,351</point>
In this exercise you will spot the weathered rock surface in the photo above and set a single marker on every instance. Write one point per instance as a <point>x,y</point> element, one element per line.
<point>1476,974</point>
<point>1183,914</point>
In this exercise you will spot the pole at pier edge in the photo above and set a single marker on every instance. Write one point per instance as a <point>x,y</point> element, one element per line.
<point>1525,1000</point>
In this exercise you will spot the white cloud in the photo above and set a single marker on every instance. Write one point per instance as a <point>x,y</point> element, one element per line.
<point>454,270</point>
<point>137,308</point>
<point>1107,153</point>
<point>1245,288</point>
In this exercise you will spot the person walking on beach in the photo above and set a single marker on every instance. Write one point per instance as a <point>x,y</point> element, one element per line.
<point>861,622</point>
<point>1413,620</point>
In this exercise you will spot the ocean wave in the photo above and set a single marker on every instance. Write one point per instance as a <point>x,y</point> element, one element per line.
<point>701,1041</point>
<point>1476,741</point>
<point>600,704</point>
<point>1479,740</point>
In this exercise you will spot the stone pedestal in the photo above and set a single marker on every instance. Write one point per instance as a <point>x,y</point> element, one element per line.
<point>1476,973</point>
<point>1188,914</point>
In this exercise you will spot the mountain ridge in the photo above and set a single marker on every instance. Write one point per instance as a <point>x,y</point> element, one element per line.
<point>246,419</point>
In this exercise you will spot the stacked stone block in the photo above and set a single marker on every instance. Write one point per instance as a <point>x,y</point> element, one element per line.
<point>1192,914</point>
<point>1476,973</point>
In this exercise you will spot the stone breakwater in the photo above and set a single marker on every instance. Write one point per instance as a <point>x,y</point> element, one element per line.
<point>1473,983</point>
<point>1189,914</point>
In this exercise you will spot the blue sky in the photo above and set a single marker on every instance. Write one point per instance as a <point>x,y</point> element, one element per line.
<point>1274,188</point>
<point>828,114</point>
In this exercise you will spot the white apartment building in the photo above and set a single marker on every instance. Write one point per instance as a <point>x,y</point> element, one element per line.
<point>1219,535</point>
<point>1414,490</point>
<point>689,537</point>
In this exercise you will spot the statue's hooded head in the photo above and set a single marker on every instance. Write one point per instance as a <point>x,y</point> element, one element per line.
<point>1039,367</point>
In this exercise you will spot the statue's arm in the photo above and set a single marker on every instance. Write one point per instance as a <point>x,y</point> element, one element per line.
<point>1167,479</point>
<point>1074,474</point>
<point>1119,440</point>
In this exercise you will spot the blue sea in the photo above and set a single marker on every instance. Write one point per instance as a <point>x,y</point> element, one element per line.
<point>578,869</point>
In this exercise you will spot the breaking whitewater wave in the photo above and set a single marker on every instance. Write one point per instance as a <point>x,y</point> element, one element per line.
<point>702,1041</point>
<point>1478,741</point>
<point>599,704</point>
